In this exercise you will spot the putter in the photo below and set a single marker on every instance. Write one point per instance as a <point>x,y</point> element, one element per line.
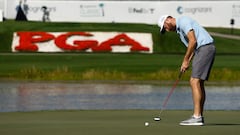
<point>158,118</point>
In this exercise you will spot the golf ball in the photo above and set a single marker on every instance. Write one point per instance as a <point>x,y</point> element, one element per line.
<point>146,124</point>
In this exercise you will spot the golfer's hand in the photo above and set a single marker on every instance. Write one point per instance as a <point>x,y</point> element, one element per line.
<point>185,66</point>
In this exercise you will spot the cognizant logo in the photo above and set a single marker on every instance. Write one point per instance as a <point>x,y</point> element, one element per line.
<point>193,10</point>
<point>180,9</point>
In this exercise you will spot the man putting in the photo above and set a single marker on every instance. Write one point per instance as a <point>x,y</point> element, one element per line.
<point>201,50</point>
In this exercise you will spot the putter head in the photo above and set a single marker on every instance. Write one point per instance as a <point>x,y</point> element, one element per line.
<point>157,118</point>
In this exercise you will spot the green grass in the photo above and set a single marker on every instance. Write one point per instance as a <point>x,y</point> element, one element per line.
<point>117,122</point>
<point>168,43</point>
<point>105,66</point>
<point>225,30</point>
<point>162,65</point>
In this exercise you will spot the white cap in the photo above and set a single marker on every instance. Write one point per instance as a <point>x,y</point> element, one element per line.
<point>161,21</point>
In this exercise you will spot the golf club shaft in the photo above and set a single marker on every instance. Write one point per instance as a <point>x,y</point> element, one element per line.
<point>170,92</point>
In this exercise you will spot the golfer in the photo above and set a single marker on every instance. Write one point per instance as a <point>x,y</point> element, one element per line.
<point>201,50</point>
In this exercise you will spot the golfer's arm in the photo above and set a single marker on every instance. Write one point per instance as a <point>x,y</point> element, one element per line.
<point>191,46</point>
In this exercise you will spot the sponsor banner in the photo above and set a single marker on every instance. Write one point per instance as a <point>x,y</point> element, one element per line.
<point>207,13</point>
<point>29,41</point>
<point>1,15</point>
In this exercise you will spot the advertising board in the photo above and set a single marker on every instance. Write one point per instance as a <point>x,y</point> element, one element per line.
<point>207,13</point>
<point>37,41</point>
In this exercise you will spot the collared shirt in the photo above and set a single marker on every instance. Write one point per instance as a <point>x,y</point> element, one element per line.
<point>185,24</point>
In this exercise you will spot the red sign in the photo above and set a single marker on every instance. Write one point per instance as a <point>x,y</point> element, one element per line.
<point>29,41</point>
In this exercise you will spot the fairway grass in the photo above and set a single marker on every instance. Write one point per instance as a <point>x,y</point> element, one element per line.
<point>115,122</point>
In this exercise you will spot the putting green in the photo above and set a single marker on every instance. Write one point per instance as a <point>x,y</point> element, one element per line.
<point>115,122</point>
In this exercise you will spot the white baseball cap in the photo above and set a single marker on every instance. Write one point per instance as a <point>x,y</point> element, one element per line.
<point>161,21</point>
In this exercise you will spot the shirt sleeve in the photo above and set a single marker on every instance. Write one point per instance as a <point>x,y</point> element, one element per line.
<point>186,26</point>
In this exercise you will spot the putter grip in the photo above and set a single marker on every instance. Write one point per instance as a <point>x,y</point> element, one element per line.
<point>180,75</point>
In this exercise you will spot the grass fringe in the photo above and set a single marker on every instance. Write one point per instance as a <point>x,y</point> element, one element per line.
<point>64,73</point>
